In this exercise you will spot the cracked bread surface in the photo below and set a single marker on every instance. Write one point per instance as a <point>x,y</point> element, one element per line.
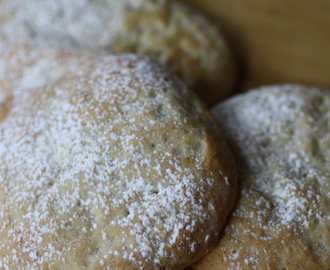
<point>118,168</point>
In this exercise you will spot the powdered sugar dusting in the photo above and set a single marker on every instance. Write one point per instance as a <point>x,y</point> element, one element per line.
<point>106,166</point>
<point>88,23</point>
<point>280,136</point>
<point>169,31</point>
<point>284,140</point>
<point>35,62</point>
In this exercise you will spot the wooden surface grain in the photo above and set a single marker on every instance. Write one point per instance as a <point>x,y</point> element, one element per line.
<point>282,41</point>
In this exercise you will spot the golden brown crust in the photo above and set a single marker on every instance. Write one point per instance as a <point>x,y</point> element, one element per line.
<point>5,106</point>
<point>116,169</point>
<point>184,41</point>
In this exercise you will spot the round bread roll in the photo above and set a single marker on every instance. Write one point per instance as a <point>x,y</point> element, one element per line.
<point>168,31</point>
<point>118,168</point>
<point>280,136</point>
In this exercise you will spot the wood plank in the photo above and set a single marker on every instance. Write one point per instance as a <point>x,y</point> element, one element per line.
<point>276,41</point>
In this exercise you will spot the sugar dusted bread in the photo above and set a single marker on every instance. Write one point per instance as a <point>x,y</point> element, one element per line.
<point>30,63</point>
<point>117,168</point>
<point>280,137</point>
<point>183,40</point>
<point>169,31</point>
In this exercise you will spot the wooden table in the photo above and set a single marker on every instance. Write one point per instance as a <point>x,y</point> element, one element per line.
<point>275,41</point>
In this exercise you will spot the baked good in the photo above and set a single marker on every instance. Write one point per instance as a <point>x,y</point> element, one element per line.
<point>280,137</point>
<point>184,41</point>
<point>168,31</point>
<point>117,168</point>
<point>31,63</point>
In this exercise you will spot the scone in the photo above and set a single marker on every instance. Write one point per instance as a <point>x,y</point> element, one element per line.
<point>118,168</point>
<point>280,137</point>
<point>170,32</point>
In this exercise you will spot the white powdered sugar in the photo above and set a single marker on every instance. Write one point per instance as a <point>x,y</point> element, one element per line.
<point>104,166</point>
<point>280,136</point>
<point>78,21</point>
<point>170,32</point>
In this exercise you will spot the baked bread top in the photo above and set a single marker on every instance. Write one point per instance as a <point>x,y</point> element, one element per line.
<point>280,137</point>
<point>118,168</point>
<point>169,31</point>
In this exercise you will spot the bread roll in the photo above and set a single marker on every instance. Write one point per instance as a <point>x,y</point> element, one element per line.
<point>116,168</point>
<point>280,137</point>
